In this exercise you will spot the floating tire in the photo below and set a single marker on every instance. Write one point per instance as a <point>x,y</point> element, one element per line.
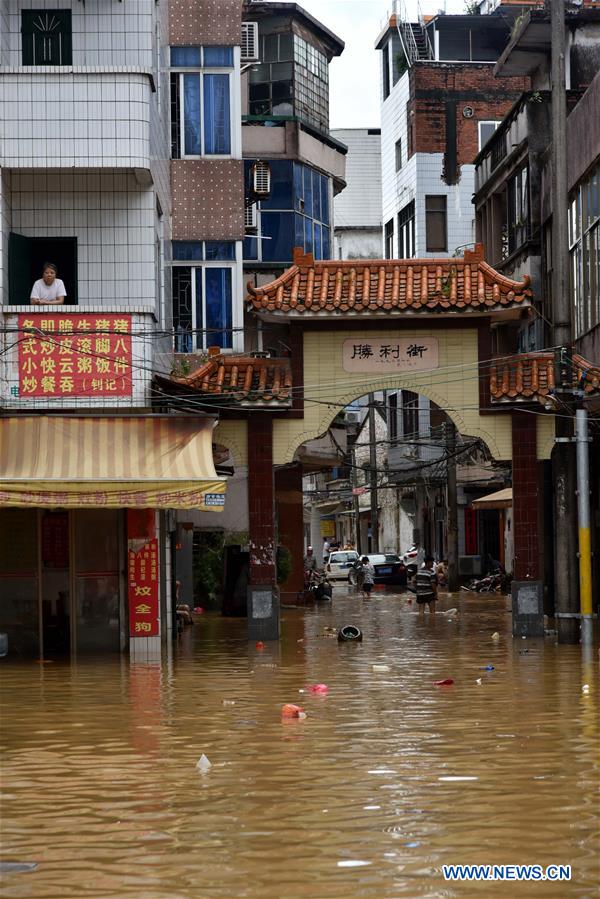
<point>349,633</point>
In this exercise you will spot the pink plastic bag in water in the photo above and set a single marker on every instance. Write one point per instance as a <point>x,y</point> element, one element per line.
<point>318,688</point>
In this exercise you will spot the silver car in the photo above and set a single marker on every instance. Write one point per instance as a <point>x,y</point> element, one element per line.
<point>339,564</point>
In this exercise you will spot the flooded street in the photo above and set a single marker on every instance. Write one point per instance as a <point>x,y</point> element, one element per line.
<point>386,779</point>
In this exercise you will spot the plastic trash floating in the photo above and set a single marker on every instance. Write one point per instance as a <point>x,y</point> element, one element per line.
<point>488,668</point>
<point>447,682</point>
<point>289,710</point>
<point>381,668</point>
<point>350,632</point>
<point>318,688</point>
<point>203,763</point>
<point>495,636</point>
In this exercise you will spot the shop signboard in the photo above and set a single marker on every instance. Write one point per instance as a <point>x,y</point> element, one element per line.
<point>390,354</point>
<point>74,355</point>
<point>142,574</point>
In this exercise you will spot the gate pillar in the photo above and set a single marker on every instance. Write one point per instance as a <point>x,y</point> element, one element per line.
<point>290,526</point>
<point>263,602</point>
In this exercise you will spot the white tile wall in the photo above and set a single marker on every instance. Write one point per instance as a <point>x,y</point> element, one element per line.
<point>359,204</point>
<point>421,175</point>
<point>105,32</point>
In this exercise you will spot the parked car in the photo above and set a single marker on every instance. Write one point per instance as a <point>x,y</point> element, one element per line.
<point>339,564</point>
<point>389,569</point>
<point>410,560</point>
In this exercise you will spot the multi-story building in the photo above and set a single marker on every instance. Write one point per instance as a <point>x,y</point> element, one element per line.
<point>440,104</point>
<point>357,209</point>
<point>293,165</point>
<point>89,468</point>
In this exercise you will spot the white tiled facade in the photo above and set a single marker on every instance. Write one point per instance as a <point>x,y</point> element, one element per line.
<point>420,175</point>
<point>84,152</point>
<point>357,209</point>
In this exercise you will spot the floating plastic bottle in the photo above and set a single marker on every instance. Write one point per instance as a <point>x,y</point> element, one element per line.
<point>488,668</point>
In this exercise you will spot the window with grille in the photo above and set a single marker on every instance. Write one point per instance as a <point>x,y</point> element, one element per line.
<point>46,37</point>
<point>388,239</point>
<point>201,108</point>
<point>406,231</point>
<point>436,226</point>
<point>398,154</point>
<point>410,414</point>
<point>203,294</point>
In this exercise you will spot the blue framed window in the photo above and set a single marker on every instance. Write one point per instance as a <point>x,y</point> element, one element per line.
<point>197,250</point>
<point>202,307</point>
<point>201,108</point>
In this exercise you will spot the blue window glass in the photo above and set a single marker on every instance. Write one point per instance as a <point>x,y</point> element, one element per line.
<point>219,249</point>
<point>281,186</point>
<point>326,243</point>
<point>185,56</point>
<point>325,200</point>
<point>182,308</point>
<point>298,186</point>
<point>316,190</point>
<point>184,250</point>
<point>279,226</point>
<point>217,131</point>
<point>198,335</point>
<point>250,248</point>
<point>308,203</point>
<point>191,103</point>
<point>308,235</point>
<point>218,56</point>
<point>318,242</point>
<point>299,231</point>
<point>218,307</point>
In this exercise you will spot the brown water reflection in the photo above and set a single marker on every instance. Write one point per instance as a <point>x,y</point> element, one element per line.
<point>100,786</point>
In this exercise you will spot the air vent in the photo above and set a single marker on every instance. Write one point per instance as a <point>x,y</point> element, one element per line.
<point>261,179</point>
<point>249,41</point>
<point>260,354</point>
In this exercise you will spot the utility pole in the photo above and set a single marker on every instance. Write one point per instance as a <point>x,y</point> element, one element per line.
<point>356,502</point>
<point>373,476</point>
<point>565,575</point>
<point>585,544</point>
<point>452,500</point>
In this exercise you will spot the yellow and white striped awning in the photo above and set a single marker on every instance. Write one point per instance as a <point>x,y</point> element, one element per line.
<point>160,462</point>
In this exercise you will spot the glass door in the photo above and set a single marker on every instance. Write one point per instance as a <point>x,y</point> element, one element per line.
<point>55,587</point>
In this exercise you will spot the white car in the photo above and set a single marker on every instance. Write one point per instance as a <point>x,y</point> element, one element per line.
<point>339,564</point>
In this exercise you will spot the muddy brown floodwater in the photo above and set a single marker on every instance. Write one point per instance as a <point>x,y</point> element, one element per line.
<point>386,779</point>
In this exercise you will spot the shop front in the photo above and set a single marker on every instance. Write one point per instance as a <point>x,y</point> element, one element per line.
<point>84,540</point>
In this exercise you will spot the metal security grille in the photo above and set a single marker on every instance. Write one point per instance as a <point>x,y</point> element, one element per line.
<point>46,37</point>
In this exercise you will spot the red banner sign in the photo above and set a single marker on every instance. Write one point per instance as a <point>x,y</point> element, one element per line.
<point>75,355</point>
<point>143,590</point>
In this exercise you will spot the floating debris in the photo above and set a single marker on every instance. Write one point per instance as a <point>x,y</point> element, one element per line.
<point>203,764</point>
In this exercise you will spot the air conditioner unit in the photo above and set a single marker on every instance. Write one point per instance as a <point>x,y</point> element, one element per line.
<point>249,41</point>
<point>250,219</point>
<point>469,565</point>
<point>352,417</point>
<point>261,178</point>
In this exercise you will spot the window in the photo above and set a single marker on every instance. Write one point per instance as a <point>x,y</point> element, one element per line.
<point>201,101</point>
<point>409,131</point>
<point>486,129</point>
<point>203,295</point>
<point>517,209</point>
<point>26,257</point>
<point>436,224</point>
<point>406,231</point>
<point>398,154</point>
<point>584,243</point>
<point>385,63</point>
<point>295,214</point>
<point>46,37</point>
<point>410,414</point>
<point>388,239</point>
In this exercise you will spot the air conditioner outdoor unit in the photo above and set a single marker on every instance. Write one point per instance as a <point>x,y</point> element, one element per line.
<point>469,565</point>
<point>249,41</point>
<point>261,179</point>
<point>352,417</point>
<point>250,219</point>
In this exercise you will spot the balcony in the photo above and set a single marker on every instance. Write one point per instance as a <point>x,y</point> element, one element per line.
<point>57,117</point>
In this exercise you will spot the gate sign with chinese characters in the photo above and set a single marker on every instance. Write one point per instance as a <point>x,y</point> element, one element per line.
<point>390,355</point>
<point>143,590</point>
<point>75,355</point>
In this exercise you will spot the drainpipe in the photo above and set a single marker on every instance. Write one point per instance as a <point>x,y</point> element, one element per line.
<point>583,509</point>
<point>373,476</point>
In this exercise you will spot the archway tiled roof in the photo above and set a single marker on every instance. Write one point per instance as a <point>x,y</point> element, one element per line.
<point>530,376</point>
<point>242,380</point>
<point>389,286</point>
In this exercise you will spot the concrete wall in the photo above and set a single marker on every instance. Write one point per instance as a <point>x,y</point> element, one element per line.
<point>357,243</point>
<point>359,204</point>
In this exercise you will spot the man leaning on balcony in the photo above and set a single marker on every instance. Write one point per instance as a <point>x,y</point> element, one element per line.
<point>48,290</point>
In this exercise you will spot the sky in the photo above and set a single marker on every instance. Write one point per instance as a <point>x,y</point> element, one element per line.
<point>354,76</point>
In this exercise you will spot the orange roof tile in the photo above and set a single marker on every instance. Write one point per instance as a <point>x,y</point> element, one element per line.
<point>389,286</point>
<point>531,376</point>
<point>245,380</point>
